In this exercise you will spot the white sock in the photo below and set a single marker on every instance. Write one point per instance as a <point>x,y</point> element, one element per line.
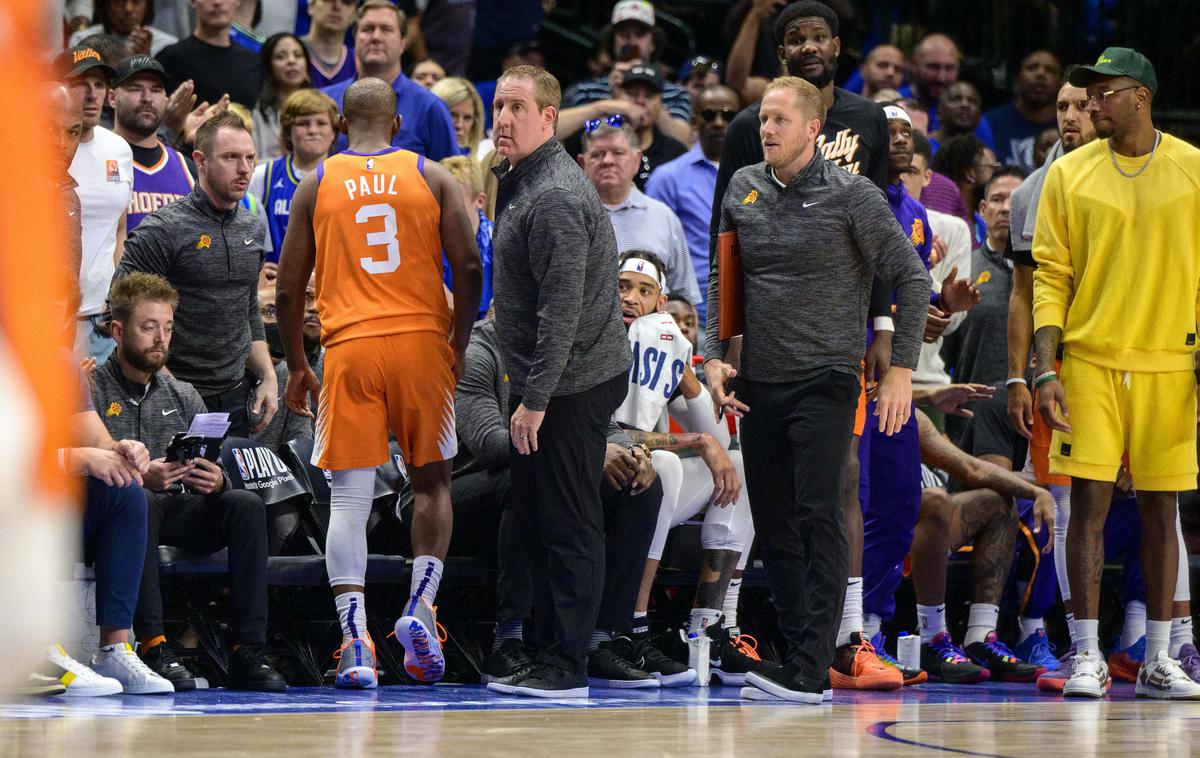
<point>426,575</point>
<point>1181,634</point>
<point>1030,626</point>
<point>1134,627</point>
<point>107,650</point>
<point>870,625</point>
<point>1071,627</point>
<point>931,620</point>
<point>982,621</point>
<point>852,615</point>
<point>1087,635</point>
<point>730,606</point>
<point>699,618</point>
<point>1158,638</point>
<point>352,612</point>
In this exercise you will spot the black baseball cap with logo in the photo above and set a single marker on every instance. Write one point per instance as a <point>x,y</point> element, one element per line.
<point>139,64</point>
<point>1117,61</point>
<point>74,63</point>
<point>644,73</point>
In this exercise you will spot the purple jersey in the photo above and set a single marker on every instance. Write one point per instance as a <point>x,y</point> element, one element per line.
<point>327,77</point>
<point>155,186</point>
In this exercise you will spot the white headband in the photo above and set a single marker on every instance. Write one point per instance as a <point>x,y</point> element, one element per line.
<point>897,113</point>
<point>643,266</point>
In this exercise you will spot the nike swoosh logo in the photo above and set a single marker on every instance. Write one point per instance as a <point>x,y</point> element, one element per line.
<point>249,240</point>
<point>168,413</point>
<point>807,205</point>
<point>70,213</point>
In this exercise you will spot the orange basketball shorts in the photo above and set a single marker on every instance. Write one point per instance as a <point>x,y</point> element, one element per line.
<point>401,382</point>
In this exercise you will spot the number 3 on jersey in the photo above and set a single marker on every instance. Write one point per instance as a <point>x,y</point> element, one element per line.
<point>385,237</point>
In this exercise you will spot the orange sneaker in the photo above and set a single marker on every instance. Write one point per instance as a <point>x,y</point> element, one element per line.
<point>422,637</point>
<point>857,667</point>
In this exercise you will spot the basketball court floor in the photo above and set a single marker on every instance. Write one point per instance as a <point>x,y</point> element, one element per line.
<point>451,720</point>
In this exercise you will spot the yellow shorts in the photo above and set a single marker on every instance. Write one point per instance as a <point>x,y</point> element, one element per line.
<point>402,382</point>
<point>1152,416</point>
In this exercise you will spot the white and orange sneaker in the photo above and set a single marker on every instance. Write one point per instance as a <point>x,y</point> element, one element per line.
<point>422,636</point>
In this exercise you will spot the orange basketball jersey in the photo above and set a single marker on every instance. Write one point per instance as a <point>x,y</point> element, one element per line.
<point>377,228</point>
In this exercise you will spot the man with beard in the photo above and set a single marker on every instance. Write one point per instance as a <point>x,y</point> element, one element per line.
<point>1017,124</point>
<point>191,504</point>
<point>161,174</point>
<point>1127,326</point>
<point>686,184</point>
<point>853,136</point>
<point>969,163</point>
<point>933,68</point>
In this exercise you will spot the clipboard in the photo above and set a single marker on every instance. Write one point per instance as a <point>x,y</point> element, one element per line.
<point>730,309</point>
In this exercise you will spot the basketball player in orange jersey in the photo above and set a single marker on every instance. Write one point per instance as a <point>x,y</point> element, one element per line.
<point>375,221</point>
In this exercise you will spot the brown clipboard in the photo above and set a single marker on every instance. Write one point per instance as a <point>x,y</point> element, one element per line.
<point>730,309</point>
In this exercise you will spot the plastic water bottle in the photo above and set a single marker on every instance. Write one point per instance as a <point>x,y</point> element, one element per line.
<point>908,650</point>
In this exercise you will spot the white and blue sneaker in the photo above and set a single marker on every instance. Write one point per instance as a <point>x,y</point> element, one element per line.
<point>356,665</point>
<point>421,635</point>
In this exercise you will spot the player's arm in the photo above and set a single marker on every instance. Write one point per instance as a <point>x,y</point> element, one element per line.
<point>122,233</point>
<point>1020,335</point>
<point>939,452</point>
<point>296,261</point>
<point>463,255</point>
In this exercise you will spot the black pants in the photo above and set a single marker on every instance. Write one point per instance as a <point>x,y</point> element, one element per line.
<point>794,443</point>
<point>556,502</point>
<point>478,500</point>
<point>236,402</point>
<point>235,519</point>
<point>629,522</point>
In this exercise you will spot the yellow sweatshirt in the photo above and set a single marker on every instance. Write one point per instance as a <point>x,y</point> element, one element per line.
<point>1119,259</point>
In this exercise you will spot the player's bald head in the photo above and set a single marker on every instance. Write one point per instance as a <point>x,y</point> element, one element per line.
<point>934,44</point>
<point>369,102</point>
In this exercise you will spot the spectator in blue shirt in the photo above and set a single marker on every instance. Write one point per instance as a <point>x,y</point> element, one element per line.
<point>686,184</point>
<point>1017,124</point>
<point>425,125</point>
<point>961,113</point>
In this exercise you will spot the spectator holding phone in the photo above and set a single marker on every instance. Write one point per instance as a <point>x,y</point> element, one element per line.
<point>191,504</point>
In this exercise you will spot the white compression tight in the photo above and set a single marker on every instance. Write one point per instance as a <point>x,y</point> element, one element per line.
<point>687,485</point>
<point>1062,517</point>
<point>352,491</point>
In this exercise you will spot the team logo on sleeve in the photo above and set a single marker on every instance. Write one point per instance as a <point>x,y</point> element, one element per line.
<point>204,242</point>
<point>751,198</point>
<point>918,233</point>
<point>114,409</point>
<point>984,278</point>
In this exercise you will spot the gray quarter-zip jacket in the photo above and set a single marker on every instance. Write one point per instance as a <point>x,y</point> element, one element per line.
<point>809,250</point>
<point>212,258</point>
<point>558,307</point>
<point>151,413</point>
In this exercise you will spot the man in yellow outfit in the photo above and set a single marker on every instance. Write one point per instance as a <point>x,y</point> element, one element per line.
<point>1117,244</point>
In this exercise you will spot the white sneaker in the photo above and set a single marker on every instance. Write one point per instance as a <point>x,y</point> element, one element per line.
<point>699,648</point>
<point>1089,676</point>
<point>1164,678</point>
<point>135,676</point>
<point>80,680</point>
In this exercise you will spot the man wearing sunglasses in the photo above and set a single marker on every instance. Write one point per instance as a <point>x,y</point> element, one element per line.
<point>1117,244</point>
<point>686,184</point>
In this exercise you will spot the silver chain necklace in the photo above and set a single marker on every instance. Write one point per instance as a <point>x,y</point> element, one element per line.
<point>1113,156</point>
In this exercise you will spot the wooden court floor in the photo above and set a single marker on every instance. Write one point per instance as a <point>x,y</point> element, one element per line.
<point>926,721</point>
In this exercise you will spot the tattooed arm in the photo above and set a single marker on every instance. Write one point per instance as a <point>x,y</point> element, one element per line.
<point>939,452</point>
<point>726,483</point>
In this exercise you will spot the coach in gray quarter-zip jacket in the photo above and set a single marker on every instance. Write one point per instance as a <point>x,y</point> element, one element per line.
<point>812,236</point>
<point>190,505</point>
<point>210,249</point>
<point>558,322</point>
